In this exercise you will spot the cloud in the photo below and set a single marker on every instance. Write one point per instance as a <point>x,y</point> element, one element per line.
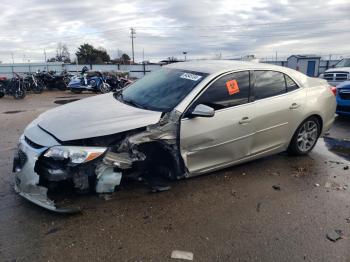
<point>167,28</point>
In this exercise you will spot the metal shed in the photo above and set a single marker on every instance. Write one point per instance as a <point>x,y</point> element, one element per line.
<point>307,64</point>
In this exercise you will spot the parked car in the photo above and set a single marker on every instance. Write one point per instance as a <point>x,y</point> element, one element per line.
<point>180,121</point>
<point>339,73</point>
<point>343,99</point>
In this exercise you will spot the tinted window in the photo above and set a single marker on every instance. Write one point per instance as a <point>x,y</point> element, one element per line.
<point>161,90</point>
<point>268,83</point>
<point>291,85</point>
<point>229,90</point>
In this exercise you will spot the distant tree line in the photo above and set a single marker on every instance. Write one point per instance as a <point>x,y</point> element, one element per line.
<point>87,54</point>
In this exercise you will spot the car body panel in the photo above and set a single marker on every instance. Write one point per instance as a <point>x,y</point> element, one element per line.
<point>343,99</point>
<point>95,116</point>
<point>276,119</point>
<point>215,141</point>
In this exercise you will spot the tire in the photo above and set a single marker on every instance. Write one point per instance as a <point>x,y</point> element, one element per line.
<point>104,88</point>
<point>38,89</point>
<point>76,91</point>
<point>19,94</point>
<point>2,94</point>
<point>305,137</point>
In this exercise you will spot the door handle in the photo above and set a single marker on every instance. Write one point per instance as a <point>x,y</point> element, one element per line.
<point>245,120</point>
<point>294,106</point>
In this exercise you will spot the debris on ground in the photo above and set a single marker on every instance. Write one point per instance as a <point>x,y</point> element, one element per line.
<point>317,185</point>
<point>276,187</point>
<point>178,254</point>
<point>346,167</point>
<point>348,220</point>
<point>258,207</point>
<point>52,230</point>
<point>334,235</point>
<point>328,185</point>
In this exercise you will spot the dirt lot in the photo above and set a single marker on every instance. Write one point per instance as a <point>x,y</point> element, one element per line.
<point>231,215</point>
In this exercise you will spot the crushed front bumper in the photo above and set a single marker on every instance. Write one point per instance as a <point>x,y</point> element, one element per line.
<point>27,180</point>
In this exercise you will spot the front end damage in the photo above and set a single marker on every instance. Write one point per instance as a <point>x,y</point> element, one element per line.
<point>149,152</point>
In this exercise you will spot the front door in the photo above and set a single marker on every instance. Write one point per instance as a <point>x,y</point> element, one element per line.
<point>209,143</point>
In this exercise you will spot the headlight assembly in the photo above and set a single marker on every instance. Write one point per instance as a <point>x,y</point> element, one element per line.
<point>75,154</point>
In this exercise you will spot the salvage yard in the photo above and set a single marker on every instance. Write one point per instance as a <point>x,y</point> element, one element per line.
<point>279,208</point>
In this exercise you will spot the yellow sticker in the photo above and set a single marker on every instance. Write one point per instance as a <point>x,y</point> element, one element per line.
<point>232,87</point>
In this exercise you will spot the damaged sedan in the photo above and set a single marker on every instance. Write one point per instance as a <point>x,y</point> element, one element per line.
<point>180,121</point>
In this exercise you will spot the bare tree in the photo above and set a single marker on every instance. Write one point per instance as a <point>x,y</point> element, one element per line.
<point>62,53</point>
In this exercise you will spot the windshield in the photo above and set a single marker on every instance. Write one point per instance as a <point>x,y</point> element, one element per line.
<point>343,63</point>
<point>161,90</point>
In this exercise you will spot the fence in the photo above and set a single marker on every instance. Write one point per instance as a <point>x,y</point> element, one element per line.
<point>137,71</point>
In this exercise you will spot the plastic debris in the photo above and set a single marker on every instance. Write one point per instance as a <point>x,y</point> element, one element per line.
<point>178,254</point>
<point>317,185</point>
<point>276,187</point>
<point>334,235</point>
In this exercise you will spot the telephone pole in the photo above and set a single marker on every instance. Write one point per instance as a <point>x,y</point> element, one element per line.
<point>132,35</point>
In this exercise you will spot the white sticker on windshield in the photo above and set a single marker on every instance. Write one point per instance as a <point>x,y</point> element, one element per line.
<point>191,76</point>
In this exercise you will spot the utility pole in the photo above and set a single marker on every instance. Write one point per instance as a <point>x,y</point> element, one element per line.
<point>276,57</point>
<point>132,35</point>
<point>45,60</point>
<point>143,55</point>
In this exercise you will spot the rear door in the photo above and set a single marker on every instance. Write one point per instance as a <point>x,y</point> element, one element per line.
<point>213,142</point>
<point>279,110</point>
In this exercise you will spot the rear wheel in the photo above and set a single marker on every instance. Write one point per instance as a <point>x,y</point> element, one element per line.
<point>20,93</point>
<point>305,137</point>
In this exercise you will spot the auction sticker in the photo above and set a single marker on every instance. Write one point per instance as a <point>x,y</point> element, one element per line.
<point>232,87</point>
<point>191,76</point>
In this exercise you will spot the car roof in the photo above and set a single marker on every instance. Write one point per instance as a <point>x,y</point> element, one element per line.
<point>220,66</point>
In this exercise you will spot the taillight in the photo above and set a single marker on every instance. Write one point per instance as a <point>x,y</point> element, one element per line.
<point>334,90</point>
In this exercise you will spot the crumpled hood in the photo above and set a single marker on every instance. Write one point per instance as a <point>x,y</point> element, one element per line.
<point>338,69</point>
<point>94,116</point>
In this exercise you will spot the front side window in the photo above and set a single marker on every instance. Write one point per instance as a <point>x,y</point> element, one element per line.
<point>229,90</point>
<point>269,83</point>
<point>161,90</point>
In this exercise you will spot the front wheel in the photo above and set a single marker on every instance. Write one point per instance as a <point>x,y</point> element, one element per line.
<point>105,88</point>
<point>305,137</point>
<point>2,94</point>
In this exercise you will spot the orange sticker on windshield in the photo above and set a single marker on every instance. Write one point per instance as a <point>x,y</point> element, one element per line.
<point>232,87</point>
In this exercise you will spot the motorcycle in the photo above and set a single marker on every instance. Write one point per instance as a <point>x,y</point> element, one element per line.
<point>117,83</point>
<point>32,84</point>
<point>14,87</point>
<point>51,80</point>
<point>93,81</point>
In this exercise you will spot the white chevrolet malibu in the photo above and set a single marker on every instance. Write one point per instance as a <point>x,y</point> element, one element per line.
<point>181,121</point>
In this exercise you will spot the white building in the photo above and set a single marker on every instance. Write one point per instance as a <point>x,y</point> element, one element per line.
<point>307,64</point>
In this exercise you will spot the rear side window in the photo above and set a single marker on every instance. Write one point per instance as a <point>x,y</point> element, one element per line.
<point>229,90</point>
<point>291,85</point>
<point>269,83</point>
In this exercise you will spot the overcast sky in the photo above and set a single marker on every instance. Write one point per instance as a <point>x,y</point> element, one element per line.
<point>205,29</point>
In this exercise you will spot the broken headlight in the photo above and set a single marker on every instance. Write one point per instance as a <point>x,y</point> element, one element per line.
<point>75,154</point>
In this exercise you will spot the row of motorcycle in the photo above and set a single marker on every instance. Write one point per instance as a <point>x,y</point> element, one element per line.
<point>37,82</point>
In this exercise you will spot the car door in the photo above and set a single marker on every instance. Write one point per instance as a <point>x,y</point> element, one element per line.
<point>279,110</point>
<point>208,143</point>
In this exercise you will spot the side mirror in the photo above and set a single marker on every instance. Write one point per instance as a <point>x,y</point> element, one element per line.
<point>203,111</point>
